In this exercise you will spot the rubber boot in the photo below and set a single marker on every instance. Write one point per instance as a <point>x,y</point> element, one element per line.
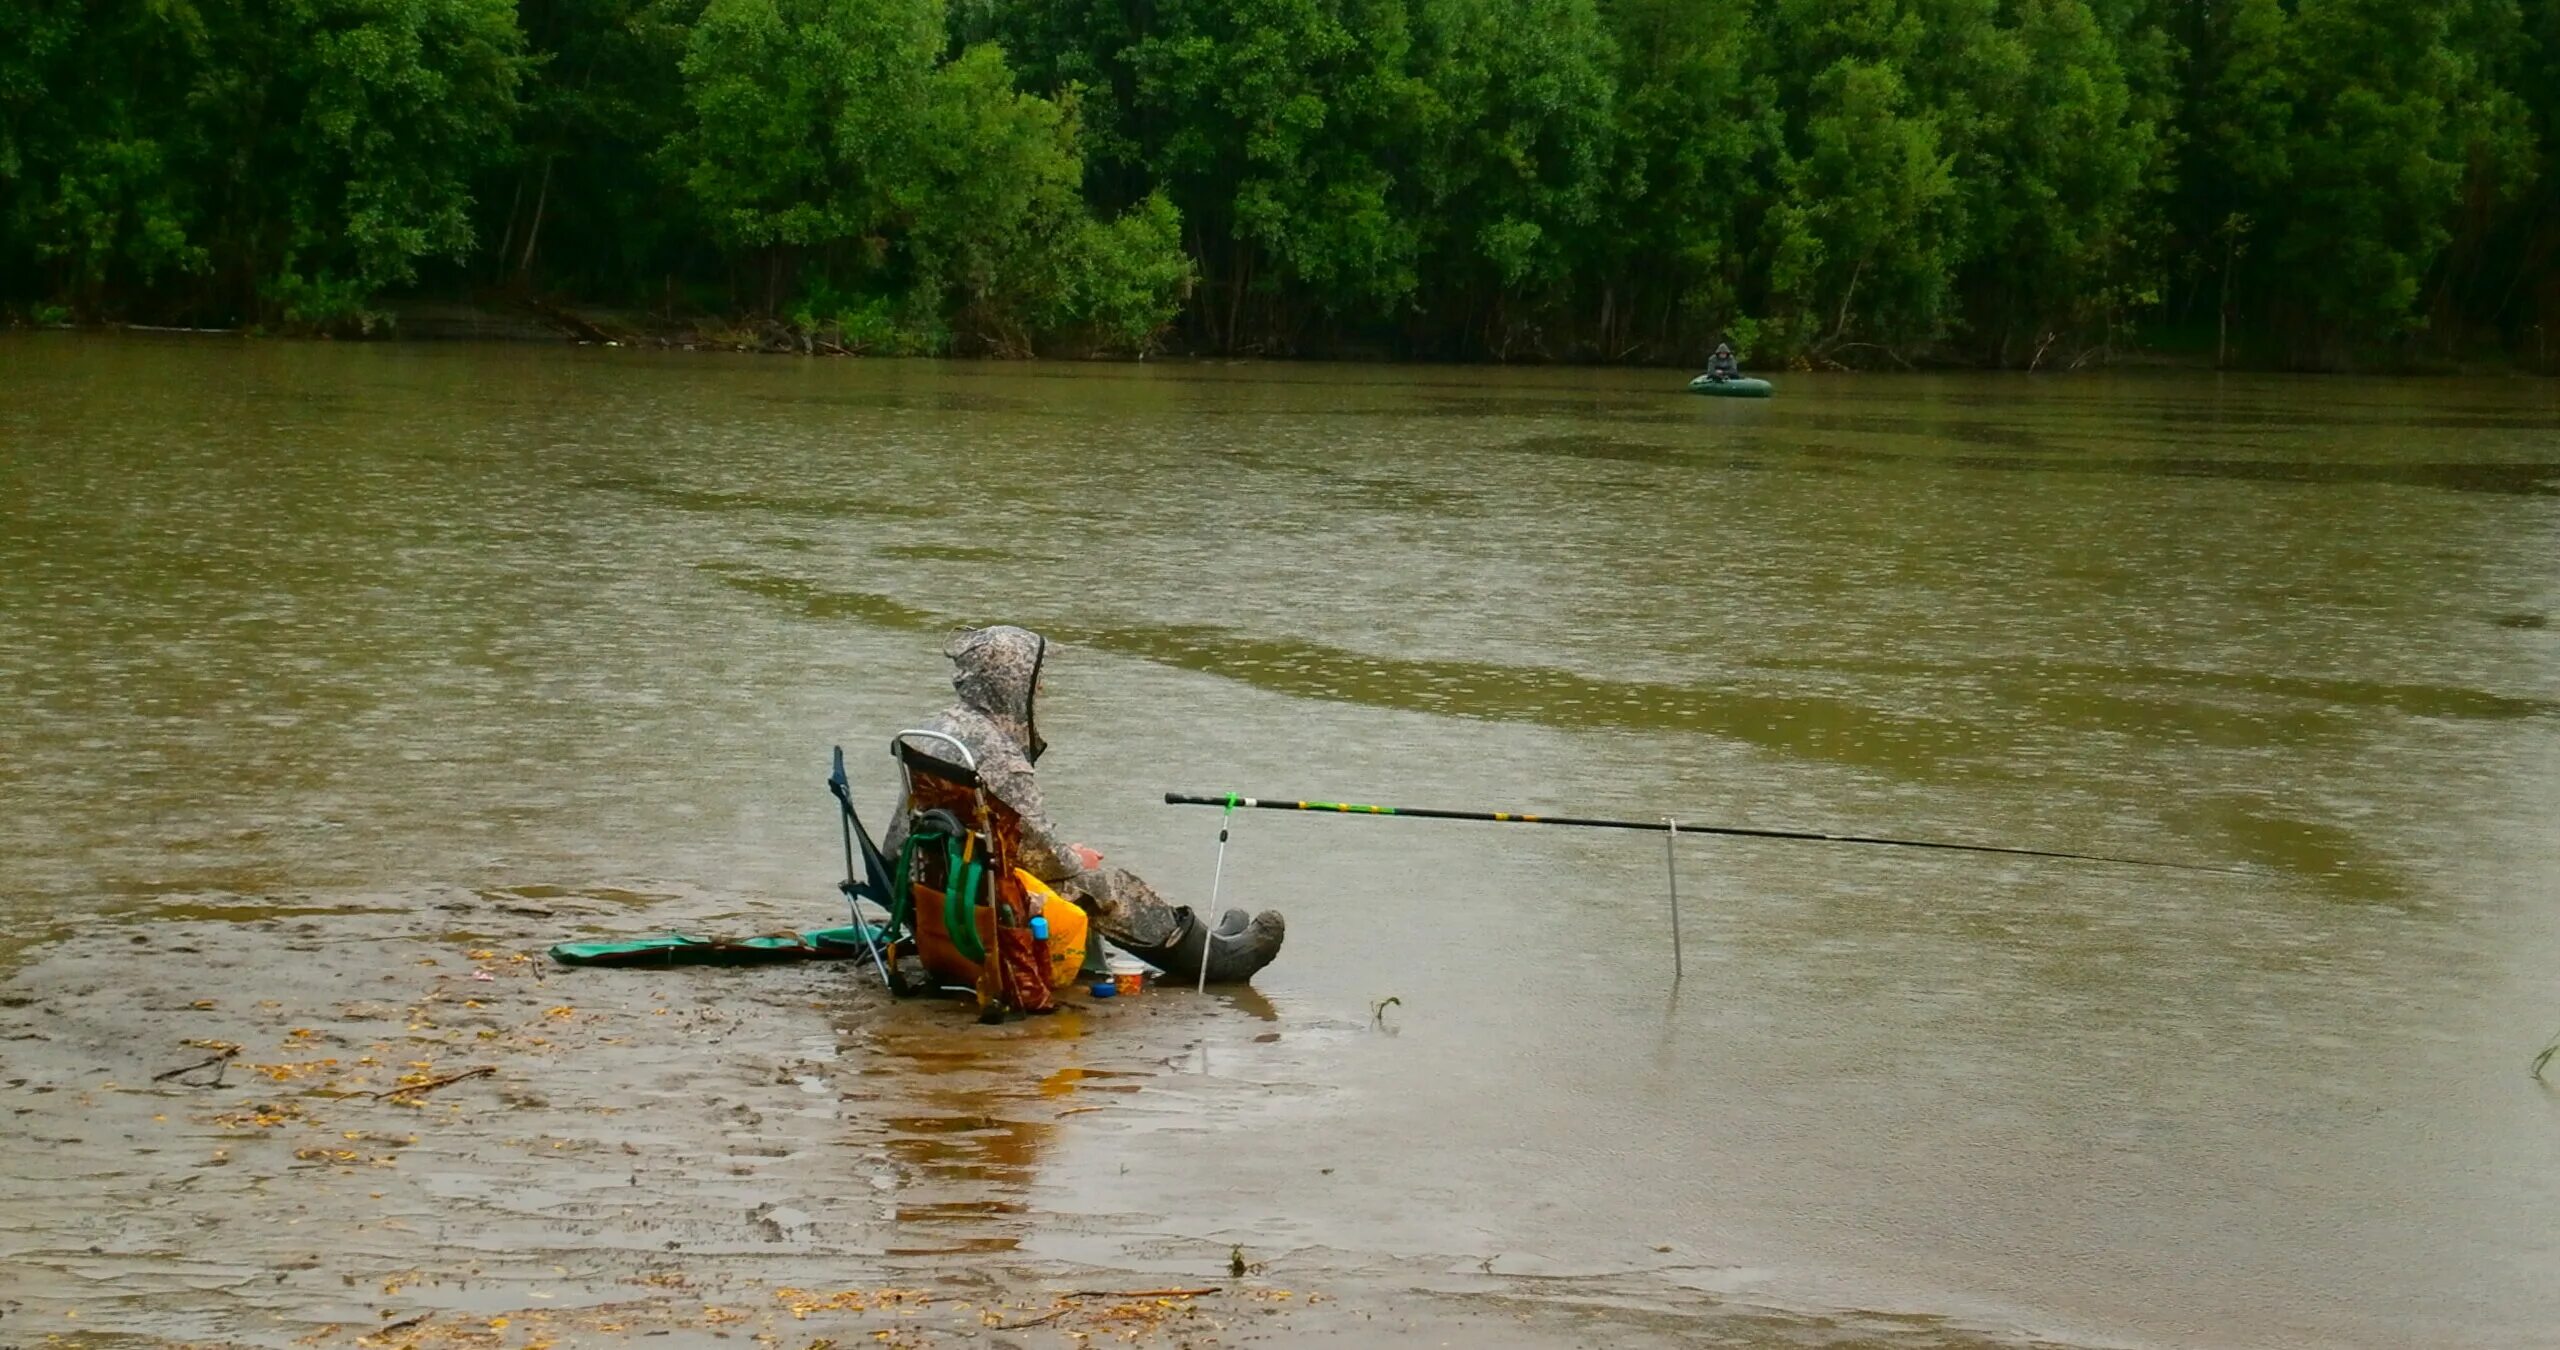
<point>1243,947</point>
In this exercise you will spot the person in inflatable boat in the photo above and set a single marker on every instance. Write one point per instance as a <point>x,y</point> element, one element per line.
<point>1721,366</point>
<point>996,672</point>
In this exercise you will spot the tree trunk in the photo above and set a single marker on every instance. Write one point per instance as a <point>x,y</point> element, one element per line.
<point>533,231</point>
<point>507,243</point>
<point>1840,324</point>
<point>2222,310</point>
<point>1235,294</point>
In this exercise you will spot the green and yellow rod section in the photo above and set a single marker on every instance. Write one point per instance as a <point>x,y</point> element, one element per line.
<point>1665,826</point>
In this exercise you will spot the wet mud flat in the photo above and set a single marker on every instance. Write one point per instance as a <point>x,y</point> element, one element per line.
<point>410,1128</point>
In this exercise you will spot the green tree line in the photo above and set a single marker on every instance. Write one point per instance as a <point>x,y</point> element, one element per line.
<point>1859,182</point>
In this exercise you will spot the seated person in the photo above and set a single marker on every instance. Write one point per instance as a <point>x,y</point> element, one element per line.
<point>997,675</point>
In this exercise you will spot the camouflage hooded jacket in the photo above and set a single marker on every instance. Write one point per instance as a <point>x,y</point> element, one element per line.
<point>996,672</point>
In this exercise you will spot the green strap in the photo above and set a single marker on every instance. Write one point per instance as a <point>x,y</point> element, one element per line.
<point>960,904</point>
<point>962,878</point>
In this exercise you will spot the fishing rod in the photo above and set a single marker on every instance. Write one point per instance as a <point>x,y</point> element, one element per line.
<point>1232,802</point>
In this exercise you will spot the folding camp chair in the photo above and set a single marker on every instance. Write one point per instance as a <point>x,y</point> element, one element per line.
<point>867,877</point>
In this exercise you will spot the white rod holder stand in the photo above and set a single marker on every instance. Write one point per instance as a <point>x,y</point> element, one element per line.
<point>1208,921</point>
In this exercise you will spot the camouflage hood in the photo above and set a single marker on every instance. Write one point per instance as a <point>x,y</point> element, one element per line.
<point>996,672</point>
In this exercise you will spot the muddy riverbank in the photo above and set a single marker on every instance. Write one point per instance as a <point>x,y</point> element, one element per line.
<point>412,1129</point>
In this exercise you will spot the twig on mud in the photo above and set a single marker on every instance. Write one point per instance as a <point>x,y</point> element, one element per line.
<point>217,1063</point>
<point>421,1089</point>
<point>403,1324</point>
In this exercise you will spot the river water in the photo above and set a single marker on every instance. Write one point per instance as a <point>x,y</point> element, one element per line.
<point>315,626</point>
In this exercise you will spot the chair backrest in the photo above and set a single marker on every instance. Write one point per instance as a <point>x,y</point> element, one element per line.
<point>936,783</point>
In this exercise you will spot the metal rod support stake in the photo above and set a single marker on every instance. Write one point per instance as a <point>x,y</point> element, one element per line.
<point>1671,859</point>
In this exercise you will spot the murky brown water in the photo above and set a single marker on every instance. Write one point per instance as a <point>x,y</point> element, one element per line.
<point>348,626</point>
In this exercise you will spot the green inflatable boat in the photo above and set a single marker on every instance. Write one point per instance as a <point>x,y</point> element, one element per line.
<point>1740,386</point>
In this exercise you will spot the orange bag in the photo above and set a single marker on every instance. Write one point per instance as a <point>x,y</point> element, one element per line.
<point>1069,932</point>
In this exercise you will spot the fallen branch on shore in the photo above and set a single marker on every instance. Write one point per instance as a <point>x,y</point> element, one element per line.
<point>218,1062</point>
<point>421,1089</point>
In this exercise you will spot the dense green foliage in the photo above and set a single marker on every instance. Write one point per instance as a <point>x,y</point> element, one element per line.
<point>292,156</point>
<point>2021,182</point>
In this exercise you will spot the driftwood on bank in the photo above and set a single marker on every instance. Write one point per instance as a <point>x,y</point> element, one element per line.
<point>218,1062</point>
<point>421,1089</point>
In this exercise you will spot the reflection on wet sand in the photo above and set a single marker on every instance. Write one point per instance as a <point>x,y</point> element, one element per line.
<point>977,1113</point>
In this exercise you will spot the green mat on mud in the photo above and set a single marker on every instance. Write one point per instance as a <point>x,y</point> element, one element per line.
<point>683,949</point>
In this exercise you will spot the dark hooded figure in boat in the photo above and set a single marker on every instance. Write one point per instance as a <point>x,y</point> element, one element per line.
<point>1722,366</point>
<point>997,674</point>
